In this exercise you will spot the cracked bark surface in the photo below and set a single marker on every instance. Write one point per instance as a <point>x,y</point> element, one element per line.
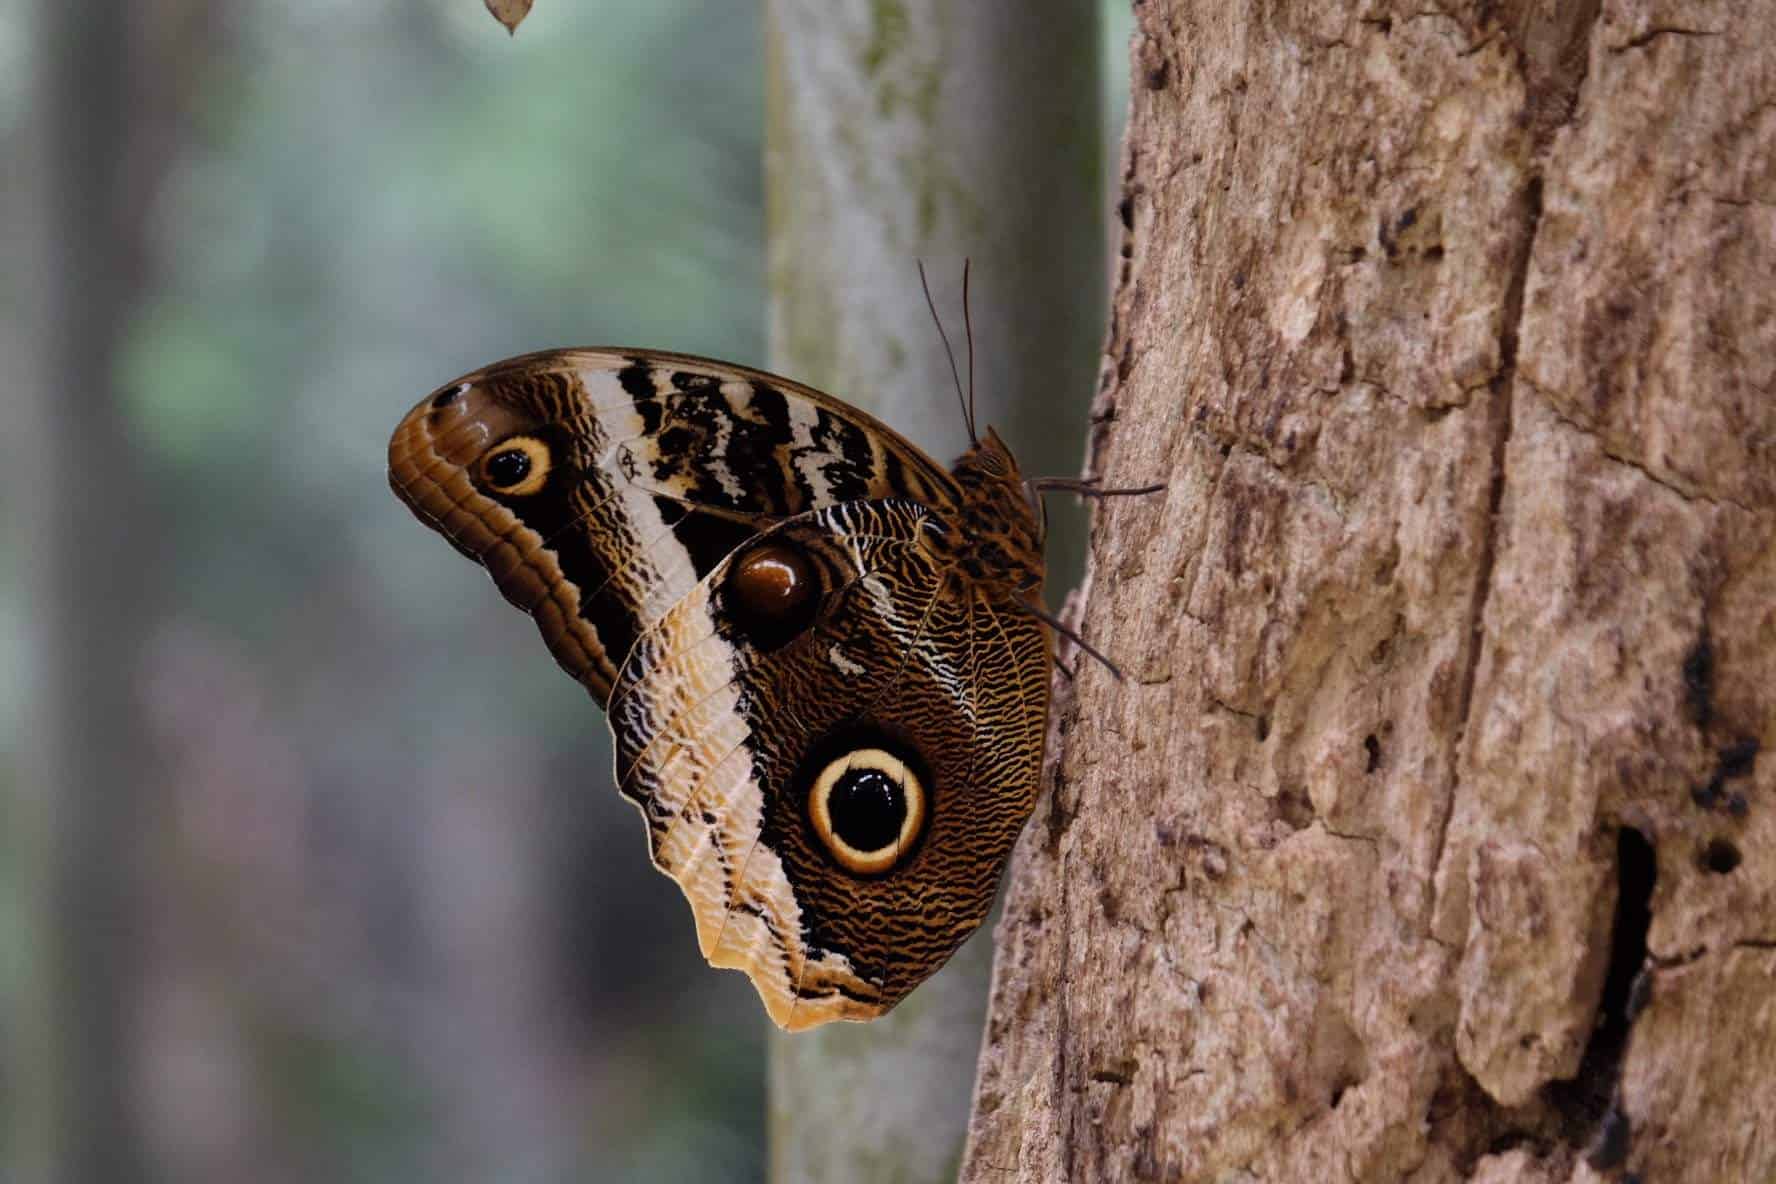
<point>1429,838</point>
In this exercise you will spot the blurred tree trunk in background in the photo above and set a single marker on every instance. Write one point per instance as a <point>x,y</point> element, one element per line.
<point>86,540</point>
<point>899,131</point>
<point>113,81</point>
<point>1429,837</point>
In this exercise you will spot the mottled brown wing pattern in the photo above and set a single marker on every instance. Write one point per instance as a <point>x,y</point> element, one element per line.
<point>720,742</point>
<point>820,653</point>
<point>645,470</point>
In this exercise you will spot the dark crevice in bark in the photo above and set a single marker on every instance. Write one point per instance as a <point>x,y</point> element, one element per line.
<point>1671,483</point>
<point>1500,413</point>
<point>1588,1104</point>
<point>1556,45</point>
<point>1698,678</point>
<point>1736,759</point>
<point>1658,31</point>
<point>1582,1117</point>
<point>1551,103</point>
<point>1511,320</point>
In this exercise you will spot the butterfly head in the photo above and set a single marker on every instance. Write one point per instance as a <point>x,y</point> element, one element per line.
<point>1003,524</point>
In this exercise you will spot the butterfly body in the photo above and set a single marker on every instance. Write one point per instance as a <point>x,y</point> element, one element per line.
<point>813,644</point>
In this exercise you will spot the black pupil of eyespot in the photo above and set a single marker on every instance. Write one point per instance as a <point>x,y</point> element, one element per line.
<point>867,807</point>
<point>508,468</point>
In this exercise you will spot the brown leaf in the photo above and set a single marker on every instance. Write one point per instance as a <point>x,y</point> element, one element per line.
<point>509,12</point>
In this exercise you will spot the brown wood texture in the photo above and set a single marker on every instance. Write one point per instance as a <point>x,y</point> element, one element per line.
<point>1432,836</point>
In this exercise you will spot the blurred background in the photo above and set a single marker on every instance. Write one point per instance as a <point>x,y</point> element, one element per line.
<point>386,919</point>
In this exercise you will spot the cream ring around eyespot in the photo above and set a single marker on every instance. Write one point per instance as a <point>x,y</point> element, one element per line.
<point>536,471</point>
<point>912,821</point>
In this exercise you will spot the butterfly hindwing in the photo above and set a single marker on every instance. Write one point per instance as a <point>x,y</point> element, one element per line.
<point>640,472</point>
<point>897,678</point>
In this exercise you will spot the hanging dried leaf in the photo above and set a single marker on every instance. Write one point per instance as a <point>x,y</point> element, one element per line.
<point>509,12</point>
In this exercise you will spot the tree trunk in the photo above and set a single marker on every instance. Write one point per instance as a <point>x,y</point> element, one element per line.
<point>1429,837</point>
<point>900,131</point>
<point>83,511</point>
<point>113,88</point>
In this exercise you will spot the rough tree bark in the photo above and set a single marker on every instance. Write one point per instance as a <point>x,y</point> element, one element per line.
<point>1430,837</point>
<point>900,130</point>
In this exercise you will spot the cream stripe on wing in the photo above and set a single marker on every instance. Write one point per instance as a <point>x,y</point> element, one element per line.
<point>696,738</point>
<point>745,909</point>
<point>689,834</point>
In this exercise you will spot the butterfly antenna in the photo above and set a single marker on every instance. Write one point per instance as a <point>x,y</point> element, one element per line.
<point>1066,631</point>
<point>955,376</point>
<point>968,331</point>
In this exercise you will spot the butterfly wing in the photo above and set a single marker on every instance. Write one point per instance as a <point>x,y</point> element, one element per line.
<point>599,486</point>
<point>903,715</point>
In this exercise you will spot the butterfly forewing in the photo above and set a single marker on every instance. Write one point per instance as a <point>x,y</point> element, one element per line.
<point>644,470</point>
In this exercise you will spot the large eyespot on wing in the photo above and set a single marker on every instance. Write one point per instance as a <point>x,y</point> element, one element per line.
<point>599,486</point>
<point>836,799</point>
<point>868,807</point>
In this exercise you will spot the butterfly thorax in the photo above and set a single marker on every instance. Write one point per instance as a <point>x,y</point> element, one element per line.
<point>998,538</point>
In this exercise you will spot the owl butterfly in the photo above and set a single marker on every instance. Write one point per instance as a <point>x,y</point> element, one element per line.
<point>823,657</point>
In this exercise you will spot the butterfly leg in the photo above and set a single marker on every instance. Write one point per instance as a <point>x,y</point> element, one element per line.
<point>1089,487</point>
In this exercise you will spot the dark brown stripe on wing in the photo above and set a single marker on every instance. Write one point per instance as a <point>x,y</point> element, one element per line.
<point>708,538</point>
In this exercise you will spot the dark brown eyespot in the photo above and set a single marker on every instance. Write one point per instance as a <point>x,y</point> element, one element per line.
<point>868,808</point>
<point>772,594</point>
<point>516,467</point>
